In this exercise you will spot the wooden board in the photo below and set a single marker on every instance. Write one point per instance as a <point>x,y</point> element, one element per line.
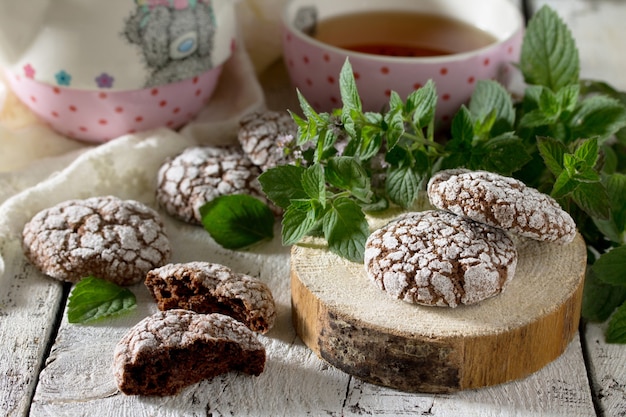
<point>354,326</point>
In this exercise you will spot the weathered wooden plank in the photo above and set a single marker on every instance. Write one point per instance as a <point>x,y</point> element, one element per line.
<point>607,364</point>
<point>29,303</point>
<point>600,34</point>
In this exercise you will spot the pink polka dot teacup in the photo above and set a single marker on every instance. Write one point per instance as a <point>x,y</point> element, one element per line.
<point>95,70</point>
<point>398,45</point>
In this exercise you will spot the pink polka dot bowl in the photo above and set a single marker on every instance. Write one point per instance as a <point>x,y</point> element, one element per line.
<point>314,66</point>
<point>117,67</point>
<point>99,116</point>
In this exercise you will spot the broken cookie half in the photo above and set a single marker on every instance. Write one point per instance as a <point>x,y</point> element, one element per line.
<point>172,349</point>
<point>206,287</point>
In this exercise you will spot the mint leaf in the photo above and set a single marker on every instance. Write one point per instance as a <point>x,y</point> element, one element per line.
<point>313,183</point>
<point>542,107</point>
<point>593,199</point>
<point>600,299</point>
<point>422,104</point>
<point>590,87</point>
<point>611,267</point>
<point>564,185</point>
<point>298,221</point>
<point>352,107</point>
<point>283,184</point>
<point>402,185</point>
<point>462,129</point>
<point>484,125</point>
<point>459,148</point>
<point>599,116</point>
<point>395,102</point>
<point>94,299</point>
<point>489,96</point>
<point>503,154</point>
<point>568,97</point>
<point>308,110</point>
<point>347,86</point>
<point>552,152</point>
<point>371,140</point>
<point>346,173</point>
<point>346,229</point>
<point>395,127</point>
<point>549,55</point>
<point>237,221</point>
<point>616,332</point>
<point>314,125</point>
<point>588,152</point>
<point>616,188</point>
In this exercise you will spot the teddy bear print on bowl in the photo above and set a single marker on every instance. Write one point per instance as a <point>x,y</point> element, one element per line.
<point>175,37</point>
<point>95,71</point>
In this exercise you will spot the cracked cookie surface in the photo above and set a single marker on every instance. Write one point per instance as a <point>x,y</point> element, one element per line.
<point>502,202</point>
<point>112,239</point>
<point>437,258</point>
<point>262,136</point>
<point>202,173</point>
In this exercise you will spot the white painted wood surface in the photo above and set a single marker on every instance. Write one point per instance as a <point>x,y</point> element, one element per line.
<point>76,378</point>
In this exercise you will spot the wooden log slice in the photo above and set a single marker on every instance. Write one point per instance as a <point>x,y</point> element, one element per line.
<point>354,326</point>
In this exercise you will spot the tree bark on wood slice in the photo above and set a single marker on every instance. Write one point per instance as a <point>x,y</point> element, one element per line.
<point>354,326</point>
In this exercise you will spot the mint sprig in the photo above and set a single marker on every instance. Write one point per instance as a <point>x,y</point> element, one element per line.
<point>94,299</point>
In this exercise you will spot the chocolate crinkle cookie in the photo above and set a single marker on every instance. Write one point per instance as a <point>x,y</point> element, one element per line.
<point>502,202</point>
<point>437,258</point>
<point>212,288</point>
<point>200,174</point>
<point>109,238</point>
<point>172,349</point>
<point>266,138</point>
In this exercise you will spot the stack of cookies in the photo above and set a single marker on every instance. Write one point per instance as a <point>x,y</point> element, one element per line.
<point>463,251</point>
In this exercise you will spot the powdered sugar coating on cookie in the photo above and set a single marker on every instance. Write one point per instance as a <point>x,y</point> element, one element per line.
<point>200,174</point>
<point>206,287</point>
<point>112,239</point>
<point>438,258</point>
<point>172,349</point>
<point>263,136</point>
<point>502,202</point>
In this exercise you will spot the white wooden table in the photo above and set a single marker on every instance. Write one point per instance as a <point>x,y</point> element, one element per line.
<point>51,368</point>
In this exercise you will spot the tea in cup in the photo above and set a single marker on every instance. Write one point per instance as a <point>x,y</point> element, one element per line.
<point>398,45</point>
